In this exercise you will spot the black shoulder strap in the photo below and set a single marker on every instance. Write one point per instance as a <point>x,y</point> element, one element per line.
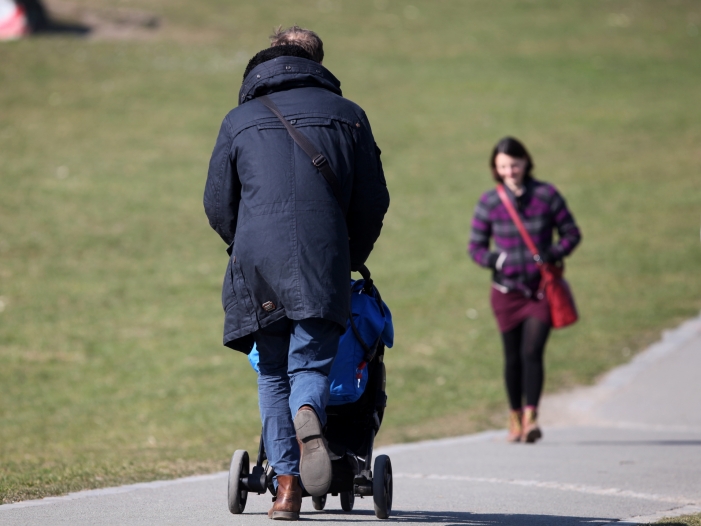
<point>317,158</point>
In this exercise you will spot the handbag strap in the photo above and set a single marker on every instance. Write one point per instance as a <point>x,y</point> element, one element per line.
<point>318,159</point>
<point>519,224</point>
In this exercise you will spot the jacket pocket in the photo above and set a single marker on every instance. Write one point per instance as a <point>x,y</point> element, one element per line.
<point>266,301</point>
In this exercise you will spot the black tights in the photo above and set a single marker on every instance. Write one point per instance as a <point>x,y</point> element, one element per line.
<point>523,372</point>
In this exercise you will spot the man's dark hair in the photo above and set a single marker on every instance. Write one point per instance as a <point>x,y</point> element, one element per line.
<point>513,148</point>
<point>275,52</point>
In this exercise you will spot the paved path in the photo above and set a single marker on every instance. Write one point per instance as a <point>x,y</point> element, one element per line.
<point>627,448</point>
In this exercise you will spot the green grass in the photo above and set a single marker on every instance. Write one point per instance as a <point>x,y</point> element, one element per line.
<point>686,520</point>
<point>111,364</point>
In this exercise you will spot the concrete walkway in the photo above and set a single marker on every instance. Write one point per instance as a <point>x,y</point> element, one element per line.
<point>627,450</point>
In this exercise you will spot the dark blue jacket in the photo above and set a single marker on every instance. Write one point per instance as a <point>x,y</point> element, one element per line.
<point>291,249</point>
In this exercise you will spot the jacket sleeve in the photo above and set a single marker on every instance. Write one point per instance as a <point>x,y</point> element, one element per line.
<point>568,232</point>
<point>480,234</point>
<point>370,198</point>
<point>222,192</point>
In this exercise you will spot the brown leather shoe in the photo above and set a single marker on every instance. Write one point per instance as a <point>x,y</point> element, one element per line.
<point>314,461</point>
<point>515,427</point>
<point>531,432</point>
<point>288,501</point>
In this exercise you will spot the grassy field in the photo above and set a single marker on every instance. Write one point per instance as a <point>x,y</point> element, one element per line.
<point>111,364</point>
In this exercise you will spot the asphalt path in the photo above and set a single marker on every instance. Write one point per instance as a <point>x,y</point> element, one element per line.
<point>627,450</point>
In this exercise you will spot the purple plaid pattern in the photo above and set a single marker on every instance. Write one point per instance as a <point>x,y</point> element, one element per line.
<point>542,210</point>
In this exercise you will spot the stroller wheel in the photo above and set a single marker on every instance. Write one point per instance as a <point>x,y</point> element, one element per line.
<point>347,500</point>
<point>382,487</point>
<point>237,492</point>
<point>319,502</point>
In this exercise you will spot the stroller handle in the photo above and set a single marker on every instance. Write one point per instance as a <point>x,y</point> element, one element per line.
<point>363,270</point>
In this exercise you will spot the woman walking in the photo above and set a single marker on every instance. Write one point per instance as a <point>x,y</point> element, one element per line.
<point>521,310</point>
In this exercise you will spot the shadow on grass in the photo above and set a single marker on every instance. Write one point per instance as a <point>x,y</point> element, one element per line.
<point>62,28</point>
<point>41,22</point>
<point>464,518</point>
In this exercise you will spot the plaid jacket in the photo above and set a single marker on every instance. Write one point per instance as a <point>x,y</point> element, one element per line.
<point>542,209</point>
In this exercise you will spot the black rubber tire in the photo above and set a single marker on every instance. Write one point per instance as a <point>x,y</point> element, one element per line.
<point>382,487</point>
<point>319,502</point>
<point>347,500</point>
<point>237,494</point>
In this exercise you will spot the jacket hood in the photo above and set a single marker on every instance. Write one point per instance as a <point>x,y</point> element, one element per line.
<point>285,73</point>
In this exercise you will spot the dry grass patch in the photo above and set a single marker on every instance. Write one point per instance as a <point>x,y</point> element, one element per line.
<point>685,520</point>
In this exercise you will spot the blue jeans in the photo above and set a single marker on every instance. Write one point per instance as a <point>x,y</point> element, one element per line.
<point>295,361</point>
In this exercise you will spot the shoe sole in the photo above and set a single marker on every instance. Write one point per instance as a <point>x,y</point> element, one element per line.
<point>533,435</point>
<point>315,462</point>
<point>285,516</point>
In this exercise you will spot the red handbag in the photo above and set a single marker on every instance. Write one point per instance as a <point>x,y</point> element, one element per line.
<point>563,311</point>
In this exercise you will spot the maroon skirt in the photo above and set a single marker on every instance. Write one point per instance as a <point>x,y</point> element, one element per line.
<point>512,308</point>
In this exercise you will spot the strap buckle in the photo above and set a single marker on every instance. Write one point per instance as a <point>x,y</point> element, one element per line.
<point>319,160</point>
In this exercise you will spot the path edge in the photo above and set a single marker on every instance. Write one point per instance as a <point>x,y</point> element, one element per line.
<point>671,340</point>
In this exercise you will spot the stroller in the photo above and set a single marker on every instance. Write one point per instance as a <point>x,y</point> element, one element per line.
<point>354,415</point>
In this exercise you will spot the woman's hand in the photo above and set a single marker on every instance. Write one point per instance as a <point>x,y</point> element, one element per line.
<point>496,260</point>
<point>547,257</point>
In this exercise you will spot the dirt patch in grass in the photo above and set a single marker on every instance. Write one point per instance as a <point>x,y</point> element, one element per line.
<point>107,23</point>
<point>104,22</point>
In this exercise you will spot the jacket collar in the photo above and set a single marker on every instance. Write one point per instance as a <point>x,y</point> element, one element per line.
<point>285,73</point>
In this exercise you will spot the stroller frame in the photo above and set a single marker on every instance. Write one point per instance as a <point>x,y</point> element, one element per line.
<point>352,453</point>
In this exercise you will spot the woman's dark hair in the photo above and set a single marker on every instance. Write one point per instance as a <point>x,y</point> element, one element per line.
<point>290,50</point>
<point>513,148</point>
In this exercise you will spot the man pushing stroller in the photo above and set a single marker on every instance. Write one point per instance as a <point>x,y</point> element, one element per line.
<point>296,189</point>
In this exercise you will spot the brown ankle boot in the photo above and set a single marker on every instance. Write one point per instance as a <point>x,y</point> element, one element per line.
<point>288,501</point>
<point>515,428</point>
<point>531,432</point>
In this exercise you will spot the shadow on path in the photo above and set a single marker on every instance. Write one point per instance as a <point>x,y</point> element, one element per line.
<point>639,443</point>
<point>462,518</point>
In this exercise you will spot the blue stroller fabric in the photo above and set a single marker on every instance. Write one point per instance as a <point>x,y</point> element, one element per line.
<point>373,322</point>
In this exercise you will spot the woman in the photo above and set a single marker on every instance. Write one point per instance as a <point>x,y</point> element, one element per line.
<point>522,313</point>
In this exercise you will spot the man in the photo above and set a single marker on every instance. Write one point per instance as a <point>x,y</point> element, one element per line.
<point>294,236</point>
